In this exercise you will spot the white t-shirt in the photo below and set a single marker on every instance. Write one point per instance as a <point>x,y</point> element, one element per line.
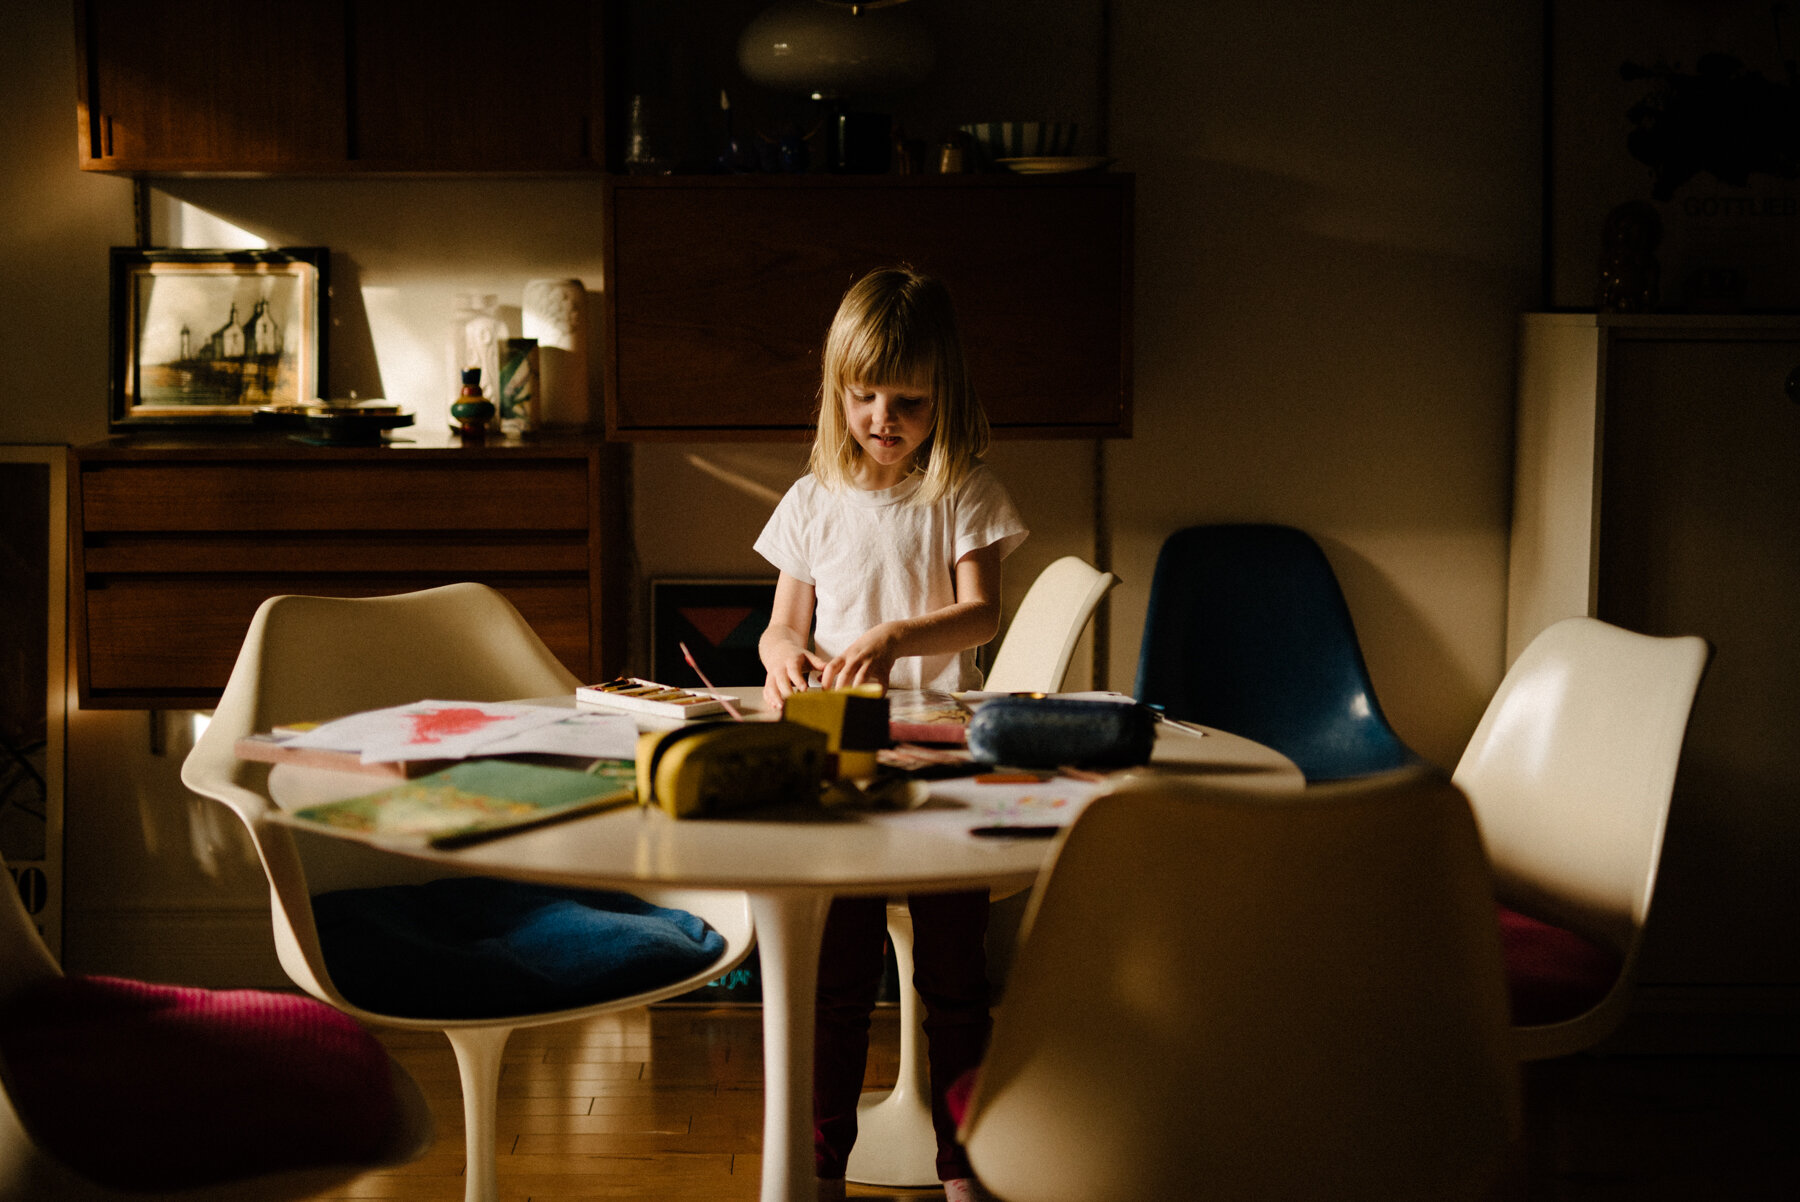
<point>872,557</point>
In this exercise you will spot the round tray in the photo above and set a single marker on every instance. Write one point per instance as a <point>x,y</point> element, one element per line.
<point>319,425</point>
<point>1056,164</point>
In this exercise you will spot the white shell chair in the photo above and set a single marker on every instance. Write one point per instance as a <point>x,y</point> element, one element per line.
<point>29,1172</point>
<point>1223,995</point>
<point>310,658</point>
<point>895,1144</point>
<point>1570,773</point>
<point>1034,656</point>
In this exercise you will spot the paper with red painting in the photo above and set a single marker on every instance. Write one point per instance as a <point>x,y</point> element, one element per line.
<point>448,730</point>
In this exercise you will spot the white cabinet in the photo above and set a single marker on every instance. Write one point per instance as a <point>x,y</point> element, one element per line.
<point>1658,487</point>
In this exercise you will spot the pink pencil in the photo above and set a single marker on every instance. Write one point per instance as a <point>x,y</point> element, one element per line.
<point>730,707</point>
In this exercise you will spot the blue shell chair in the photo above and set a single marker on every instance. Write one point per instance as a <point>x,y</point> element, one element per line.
<point>1248,631</point>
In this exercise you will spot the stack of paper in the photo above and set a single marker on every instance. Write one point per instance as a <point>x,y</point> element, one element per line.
<point>405,740</point>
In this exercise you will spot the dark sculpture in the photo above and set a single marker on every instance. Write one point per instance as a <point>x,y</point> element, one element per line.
<point>1722,119</point>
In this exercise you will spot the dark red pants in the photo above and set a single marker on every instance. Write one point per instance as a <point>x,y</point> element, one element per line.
<point>950,974</point>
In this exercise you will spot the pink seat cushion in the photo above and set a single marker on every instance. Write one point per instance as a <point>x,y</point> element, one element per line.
<point>1552,974</point>
<point>956,1097</point>
<point>156,1086</point>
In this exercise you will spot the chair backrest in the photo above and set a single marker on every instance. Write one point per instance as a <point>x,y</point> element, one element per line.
<point>315,658</point>
<point>1034,655</point>
<point>308,659</point>
<point>1571,769</point>
<point>1219,994</point>
<point>1248,631</point>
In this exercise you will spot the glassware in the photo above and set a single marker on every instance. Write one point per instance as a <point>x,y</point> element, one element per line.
<point>477,336</point>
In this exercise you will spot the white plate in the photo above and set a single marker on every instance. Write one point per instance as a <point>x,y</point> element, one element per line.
<point>1055,164</point>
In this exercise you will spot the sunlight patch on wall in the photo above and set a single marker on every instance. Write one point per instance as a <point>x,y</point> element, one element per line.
<point>195,227</point>
<point>410,339</point>
<point>735,479</point>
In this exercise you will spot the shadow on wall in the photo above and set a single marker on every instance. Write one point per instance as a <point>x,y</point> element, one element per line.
<point>354,370</point>
<point>1429,695</point>
<point>1281,351</point>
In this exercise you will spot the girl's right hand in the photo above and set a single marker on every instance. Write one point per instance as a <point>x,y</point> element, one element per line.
<point>789,676</point>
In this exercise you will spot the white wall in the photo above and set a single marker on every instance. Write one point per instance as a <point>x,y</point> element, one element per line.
<point>1336,227</point>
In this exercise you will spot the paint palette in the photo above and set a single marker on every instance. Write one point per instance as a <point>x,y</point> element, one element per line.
<point>637,695</point>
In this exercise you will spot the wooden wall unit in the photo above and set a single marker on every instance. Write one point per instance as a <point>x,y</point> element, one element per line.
<point>1657,489</point>
<point>718,291</point>
<point>177,541</point>
<point>220,86</point>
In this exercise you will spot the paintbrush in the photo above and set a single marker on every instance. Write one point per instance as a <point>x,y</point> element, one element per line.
<point>730,706</point>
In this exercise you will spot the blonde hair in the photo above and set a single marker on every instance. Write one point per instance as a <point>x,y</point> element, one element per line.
<point>896,326</point>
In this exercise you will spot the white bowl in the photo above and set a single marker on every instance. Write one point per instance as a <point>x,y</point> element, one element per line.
<point>996,140</point>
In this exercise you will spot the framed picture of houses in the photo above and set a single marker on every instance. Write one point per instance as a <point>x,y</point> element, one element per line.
<point>208,337</point>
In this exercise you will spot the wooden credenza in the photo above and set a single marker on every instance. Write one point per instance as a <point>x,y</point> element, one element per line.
<point>175,541</point>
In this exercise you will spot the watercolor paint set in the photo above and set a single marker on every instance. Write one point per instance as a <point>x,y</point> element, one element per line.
<point>637,695</point>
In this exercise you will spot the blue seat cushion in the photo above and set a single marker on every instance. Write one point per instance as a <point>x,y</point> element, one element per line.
<point>475,947</point>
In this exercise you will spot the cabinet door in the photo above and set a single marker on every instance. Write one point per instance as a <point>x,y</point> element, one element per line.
<point>196,85</point>
<point>719,291</point>
<point>1700,502</point>
<point>469,88</point>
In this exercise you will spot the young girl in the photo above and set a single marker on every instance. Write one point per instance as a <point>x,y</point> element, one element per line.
<point>889,552</point>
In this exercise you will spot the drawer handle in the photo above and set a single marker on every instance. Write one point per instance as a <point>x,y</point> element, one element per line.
<point>1792,385</point>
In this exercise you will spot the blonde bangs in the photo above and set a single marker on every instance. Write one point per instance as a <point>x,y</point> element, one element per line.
<point>896,328</point>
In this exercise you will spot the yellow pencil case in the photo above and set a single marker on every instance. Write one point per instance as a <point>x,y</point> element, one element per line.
<point>715,768</point>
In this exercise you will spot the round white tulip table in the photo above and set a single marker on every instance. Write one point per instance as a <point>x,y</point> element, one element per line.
<point>791,865</point>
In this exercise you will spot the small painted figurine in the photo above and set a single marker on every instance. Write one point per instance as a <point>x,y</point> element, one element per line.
<point>473,412</point>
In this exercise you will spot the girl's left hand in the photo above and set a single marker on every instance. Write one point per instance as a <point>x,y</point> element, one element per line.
<point>869,659</point>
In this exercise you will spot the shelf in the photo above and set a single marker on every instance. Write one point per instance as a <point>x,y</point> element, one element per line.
<point>735,279</point>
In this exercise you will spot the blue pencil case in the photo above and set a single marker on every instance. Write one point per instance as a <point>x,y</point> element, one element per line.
<point>1049,732</point>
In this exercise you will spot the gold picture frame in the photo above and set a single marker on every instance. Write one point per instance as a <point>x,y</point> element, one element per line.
<point>207,337</point>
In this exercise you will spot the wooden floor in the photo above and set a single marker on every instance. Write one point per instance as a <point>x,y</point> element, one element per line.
<point>667,1104</point>
<point>1684,1116</point>
<point>661,1103</point>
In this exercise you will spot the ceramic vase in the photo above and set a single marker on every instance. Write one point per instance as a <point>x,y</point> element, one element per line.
<point>555,313</point>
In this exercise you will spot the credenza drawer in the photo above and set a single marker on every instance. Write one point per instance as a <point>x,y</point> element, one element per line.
<point>176,543</point>
<point>429,552</point>
<point>175,639</point>
<point>476,495</point>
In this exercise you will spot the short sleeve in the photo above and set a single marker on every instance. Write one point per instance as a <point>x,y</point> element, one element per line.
<point>782,541</point>
<point>985,516</point>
